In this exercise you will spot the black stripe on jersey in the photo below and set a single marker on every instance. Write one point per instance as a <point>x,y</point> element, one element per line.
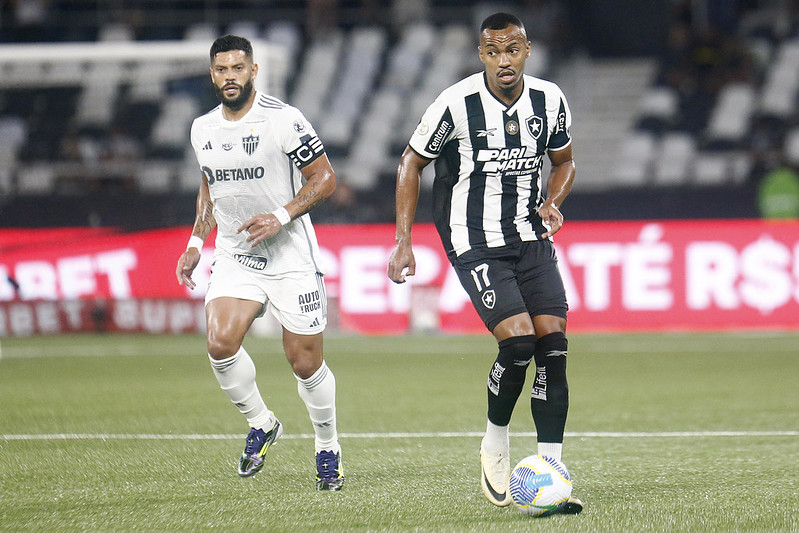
<point>475,115</point>
<point>539,102</point>
<point>310,148</point>
<point>560,137</point>
<point>443,129</point>
<point>509,194</point>
<point>448,168</point>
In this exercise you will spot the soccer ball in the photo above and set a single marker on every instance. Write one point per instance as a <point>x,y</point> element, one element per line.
<point>539,485</point>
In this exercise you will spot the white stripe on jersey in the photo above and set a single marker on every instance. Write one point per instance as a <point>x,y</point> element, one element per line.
<point>460,192</point>
<point>492,211</point>
<point>523,225</point>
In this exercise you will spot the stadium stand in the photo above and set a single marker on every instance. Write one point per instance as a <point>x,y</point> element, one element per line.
<point>714,109</point>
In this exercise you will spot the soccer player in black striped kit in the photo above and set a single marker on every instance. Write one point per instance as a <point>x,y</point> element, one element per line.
<point>488,135</point>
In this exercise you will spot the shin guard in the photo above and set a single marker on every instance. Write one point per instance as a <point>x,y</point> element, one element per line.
<point>549,400</point>
<point>506,379</point>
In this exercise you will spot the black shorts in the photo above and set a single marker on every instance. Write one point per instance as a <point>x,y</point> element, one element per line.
<point>517,278</point>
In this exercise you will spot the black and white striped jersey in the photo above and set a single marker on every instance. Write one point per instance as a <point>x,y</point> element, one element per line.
<point>488,183</point>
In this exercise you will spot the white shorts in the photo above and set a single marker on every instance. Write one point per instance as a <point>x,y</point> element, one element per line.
<point>296,299</point>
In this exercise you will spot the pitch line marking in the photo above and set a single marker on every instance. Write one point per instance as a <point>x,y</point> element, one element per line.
<point>394,435</point>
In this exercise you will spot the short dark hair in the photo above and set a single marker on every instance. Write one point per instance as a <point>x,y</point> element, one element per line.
<point>231,42</point>
<point>500,21</point>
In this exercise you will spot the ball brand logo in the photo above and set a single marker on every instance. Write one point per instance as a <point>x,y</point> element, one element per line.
<point>537,481</point>
<point>255,262</point>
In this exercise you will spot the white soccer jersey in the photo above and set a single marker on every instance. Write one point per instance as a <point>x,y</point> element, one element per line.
<point>252,167</point>
<point>487,188</point>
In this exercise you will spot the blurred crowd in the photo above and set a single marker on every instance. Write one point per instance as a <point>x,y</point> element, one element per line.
<point>701,49</point>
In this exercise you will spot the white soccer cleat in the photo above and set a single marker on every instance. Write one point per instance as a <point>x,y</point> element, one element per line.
<point>495,475</point>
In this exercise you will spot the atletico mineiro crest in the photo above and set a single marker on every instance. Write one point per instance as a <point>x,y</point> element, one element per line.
<point>250,143</point>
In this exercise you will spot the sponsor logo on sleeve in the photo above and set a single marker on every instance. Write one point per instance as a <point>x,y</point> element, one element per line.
<point>437,141</point>
<point>561,124</point>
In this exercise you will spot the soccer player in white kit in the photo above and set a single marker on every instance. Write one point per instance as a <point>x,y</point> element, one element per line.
<point>263,170</point>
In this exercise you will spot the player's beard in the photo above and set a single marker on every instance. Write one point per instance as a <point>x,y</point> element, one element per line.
<point>236,103</point>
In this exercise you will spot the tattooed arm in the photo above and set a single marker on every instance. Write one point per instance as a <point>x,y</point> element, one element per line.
<point>204,222</point>
<point>320,184</point>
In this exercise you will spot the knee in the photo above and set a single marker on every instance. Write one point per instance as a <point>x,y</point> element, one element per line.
<point>304,353</point>
<point>517,351</point>
<point>220,347</point>
<point>304,367</point>
<point>550,353</point>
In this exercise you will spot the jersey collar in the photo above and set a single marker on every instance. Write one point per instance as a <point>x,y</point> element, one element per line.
<point>495,97</point>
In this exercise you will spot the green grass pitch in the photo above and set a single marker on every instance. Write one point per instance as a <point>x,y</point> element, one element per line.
<point>667,432</point>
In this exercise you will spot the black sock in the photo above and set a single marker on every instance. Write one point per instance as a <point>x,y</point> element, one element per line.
<point>550,396</point>
<point>506,379</point>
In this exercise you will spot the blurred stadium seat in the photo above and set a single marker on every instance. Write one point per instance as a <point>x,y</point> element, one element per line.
<point>365,82</point>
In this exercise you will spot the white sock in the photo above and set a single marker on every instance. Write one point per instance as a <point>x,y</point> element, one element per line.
<point>550,449</point>
<point>236,376</point>
<point>497,438</point>
<point>319,394</point>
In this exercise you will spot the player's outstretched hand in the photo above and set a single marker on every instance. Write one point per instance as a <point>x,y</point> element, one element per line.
<point>553,219</point>
<point>186,264</point>
<point>260,227</point>
<point>401,263</point>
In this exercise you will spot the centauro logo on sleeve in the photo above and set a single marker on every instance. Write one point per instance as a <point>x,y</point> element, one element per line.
<point>437,141</point>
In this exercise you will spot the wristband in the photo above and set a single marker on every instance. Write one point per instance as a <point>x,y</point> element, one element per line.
<point>282,216</point>
<point>195,242</point>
